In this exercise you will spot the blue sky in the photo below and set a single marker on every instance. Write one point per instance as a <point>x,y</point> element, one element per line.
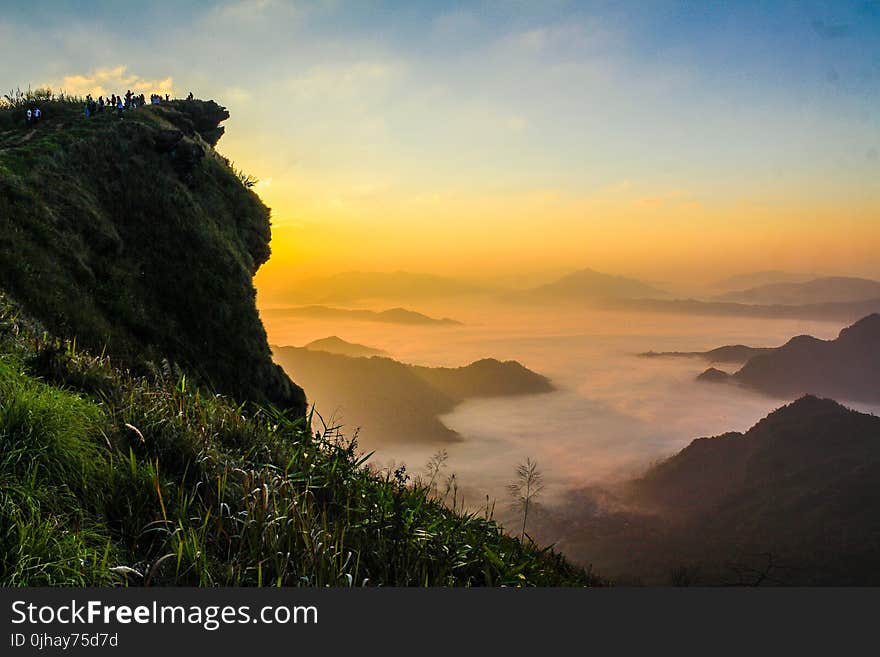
<point>412,122</point>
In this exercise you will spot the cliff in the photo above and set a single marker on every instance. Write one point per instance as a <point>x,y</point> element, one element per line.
<point>136,238</point>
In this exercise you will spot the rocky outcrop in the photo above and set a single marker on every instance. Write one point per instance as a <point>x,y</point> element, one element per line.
<point>138,239</point>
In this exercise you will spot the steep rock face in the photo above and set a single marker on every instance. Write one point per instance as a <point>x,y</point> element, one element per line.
<point>135,237</point>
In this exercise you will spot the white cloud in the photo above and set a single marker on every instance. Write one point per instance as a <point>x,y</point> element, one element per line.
<point>106,81</point>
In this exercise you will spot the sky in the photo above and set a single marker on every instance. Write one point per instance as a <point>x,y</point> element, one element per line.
<point>668,140</point>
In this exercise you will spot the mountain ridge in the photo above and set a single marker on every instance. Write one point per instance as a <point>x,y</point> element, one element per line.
<point>360,387</point>
<point>790,501</point>
<point>391,315</point>
<point>357,286</point>
<point>590,286</point>
<point>841,289</point>
<point>847,367</point>
<point>336,345</point>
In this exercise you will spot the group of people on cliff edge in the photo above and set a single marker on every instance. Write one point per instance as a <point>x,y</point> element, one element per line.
<point>119,103</point>
<point>92,107</point>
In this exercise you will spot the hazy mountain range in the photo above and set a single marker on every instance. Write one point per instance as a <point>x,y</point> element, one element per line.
<point>769,294</point>
<point>392,316</point>
<point>356,286</point>
<point>391,401</point>
<point>830,311</point>
<point>754,279</point>
<point>589,285</point>
<point>832,298</point>
<point>819,290</point>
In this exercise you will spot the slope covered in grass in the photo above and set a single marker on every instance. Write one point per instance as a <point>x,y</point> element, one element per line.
<point>109,478</point>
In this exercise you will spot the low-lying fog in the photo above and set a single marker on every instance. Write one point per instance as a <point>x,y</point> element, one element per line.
<point>614,413</point>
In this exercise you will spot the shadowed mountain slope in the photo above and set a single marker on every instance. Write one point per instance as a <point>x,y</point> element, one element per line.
<point>394,402</point>
<point>847,367</point>
<point>793,500</point>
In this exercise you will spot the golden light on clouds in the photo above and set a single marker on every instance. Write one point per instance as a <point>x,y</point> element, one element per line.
<point>499,140</point>
<point>107,81</point>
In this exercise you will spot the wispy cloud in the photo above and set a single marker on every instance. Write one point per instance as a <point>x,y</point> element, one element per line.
<point>355,79</point>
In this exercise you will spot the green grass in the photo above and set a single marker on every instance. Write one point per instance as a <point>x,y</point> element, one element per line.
<point>110,478</point>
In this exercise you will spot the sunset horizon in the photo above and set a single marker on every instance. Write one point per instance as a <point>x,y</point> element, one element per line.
<point>477,140</point>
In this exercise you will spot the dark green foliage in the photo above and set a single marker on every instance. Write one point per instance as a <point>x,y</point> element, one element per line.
<point>107,477</point>
<point>136,247</point>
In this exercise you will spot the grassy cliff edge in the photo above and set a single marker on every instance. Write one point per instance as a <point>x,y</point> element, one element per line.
<point>136,238</point>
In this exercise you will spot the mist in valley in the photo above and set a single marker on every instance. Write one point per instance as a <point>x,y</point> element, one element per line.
<point>612,415</point>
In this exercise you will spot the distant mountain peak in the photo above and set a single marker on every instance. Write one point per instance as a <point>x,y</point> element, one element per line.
<point>336,345</point>
<point>825,289</point>
<point>807,403</point>
<point>714,375</point>
<point>589,284</point>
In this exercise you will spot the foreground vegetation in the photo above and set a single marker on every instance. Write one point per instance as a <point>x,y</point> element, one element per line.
<point>108,478</point>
